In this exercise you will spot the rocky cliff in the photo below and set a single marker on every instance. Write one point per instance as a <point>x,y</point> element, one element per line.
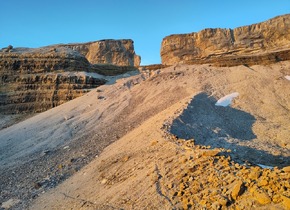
<point>109,51</point>
<point>264,42</point>
<point>34,80</point>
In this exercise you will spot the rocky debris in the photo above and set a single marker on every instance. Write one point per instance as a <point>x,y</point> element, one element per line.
<point>216,182</point>
<point>108,51</point>
<point>261,43</point>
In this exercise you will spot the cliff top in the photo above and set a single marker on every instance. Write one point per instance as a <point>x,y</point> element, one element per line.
<point>280,18</point>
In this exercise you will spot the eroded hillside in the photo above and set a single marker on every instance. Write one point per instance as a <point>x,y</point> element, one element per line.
<point>77,131</point>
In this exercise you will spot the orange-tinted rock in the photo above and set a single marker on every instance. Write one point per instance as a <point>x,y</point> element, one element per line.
<point>262,197</point>
<point>264,42</point>
<point>237,190</point>
<point>109,51</point>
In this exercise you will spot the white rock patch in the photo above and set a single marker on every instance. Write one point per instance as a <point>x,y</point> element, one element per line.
<point>226,100</point>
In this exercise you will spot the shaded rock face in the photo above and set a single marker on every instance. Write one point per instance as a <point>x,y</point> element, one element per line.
<point>117,52</point>
<point>35,80</point>
<point>28,93</point>
<point>264,42</point>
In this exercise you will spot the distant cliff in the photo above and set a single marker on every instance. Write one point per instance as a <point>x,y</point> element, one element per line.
<point>34,80</point>
<point>109,51</point>
<point>260,43</point>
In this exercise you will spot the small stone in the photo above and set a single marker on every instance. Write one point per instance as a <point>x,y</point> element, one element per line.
<point>222,201</point>
<point>254,174</point>
<point>104,181</point>
<point>262,197</point>
<point>237,190</point>
<point>210,153</point>
<point>202,202</point>
<point>216,205</point>
<point>10,203</point>
<point>125,158</point>
<point>286,202</point>
<point>170,186</point>
<point>154,142</point>
<point>277,198</point>
<point>286,169</point>
<point>263,182</point>
<point>37,185</point>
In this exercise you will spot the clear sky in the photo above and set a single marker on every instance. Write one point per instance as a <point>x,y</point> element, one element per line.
<point>35,23</point>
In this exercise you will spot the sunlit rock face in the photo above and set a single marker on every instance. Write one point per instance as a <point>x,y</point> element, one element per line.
<point>109,51</point>
<point>261,43</point>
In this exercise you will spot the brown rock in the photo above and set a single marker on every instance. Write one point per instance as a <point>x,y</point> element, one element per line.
<point>238,189</point>
<point>255,174</point>
<point>262,197</point>
<point>286,169</point>
<point>286,202</point>
<point>222,201</point>
<point>207,152</point>
<point>263,182</point>
<point>257,43</point>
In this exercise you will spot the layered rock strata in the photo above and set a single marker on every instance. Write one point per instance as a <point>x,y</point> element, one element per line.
<point>34,80</point>
<point>261,43</point>
<point>109,51</point>
<point>40,92</point>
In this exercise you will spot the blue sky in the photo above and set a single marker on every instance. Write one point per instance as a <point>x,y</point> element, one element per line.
<point>35,23</point>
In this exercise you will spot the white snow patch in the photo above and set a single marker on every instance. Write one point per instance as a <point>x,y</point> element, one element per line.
<point>226,100</point>
<point>287,77</point>
<point>264,166</point>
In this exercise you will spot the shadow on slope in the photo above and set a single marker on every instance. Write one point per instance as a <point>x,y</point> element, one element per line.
<point>222,127</point>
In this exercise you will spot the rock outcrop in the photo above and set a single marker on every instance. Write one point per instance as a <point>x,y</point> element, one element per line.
<point>109,51</point>
<point>34,80</point>
<point>261,43</point>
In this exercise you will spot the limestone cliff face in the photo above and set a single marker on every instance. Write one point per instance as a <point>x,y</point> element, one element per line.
<point>34,80</point>
<point>263,42</point>
<point>46,59</point>
<point>117,52</point>
<point>39,92</point>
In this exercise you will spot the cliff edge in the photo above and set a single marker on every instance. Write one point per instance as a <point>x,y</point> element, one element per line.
<point>261,43</point>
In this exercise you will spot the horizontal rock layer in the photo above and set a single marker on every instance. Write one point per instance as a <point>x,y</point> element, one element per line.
<point>39,92</point>
<point>248,45</point>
